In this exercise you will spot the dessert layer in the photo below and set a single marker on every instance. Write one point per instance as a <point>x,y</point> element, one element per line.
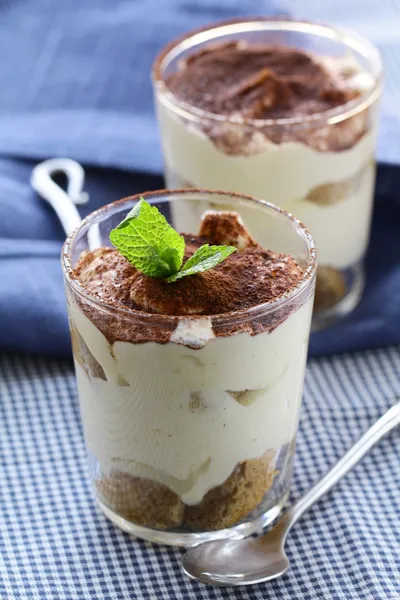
<point>192,160</point>
<point>240,494</point>
<point>194,157</point>
<point>249,277</point>
<point>183,417</point>
<point>152,504</point>
<point>330,288</point>
<point>141,501</point>
<point>247,84</point>
<point>341,229</point>
<point>338,215</point>
<point>259,81</point>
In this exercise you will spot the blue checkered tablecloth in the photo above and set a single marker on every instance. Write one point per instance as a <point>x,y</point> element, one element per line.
<point>55,544</point>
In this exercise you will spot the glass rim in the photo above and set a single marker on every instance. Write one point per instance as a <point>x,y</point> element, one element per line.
<point>218,319</point>
<point>231,26</point>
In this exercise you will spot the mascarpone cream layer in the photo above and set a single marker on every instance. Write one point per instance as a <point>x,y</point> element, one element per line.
<point>283,174</point>
<point>175,415</point>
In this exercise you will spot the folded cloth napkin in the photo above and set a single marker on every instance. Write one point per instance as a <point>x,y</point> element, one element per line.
<point>76,83</point>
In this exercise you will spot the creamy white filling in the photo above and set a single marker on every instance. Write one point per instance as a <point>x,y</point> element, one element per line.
<point>340,230</point>
<point>176,422</point>
<point>283,174</point>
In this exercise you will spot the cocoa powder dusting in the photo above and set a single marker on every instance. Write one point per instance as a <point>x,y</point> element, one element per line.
<point>243,280</point>
<point>258,82</point>
<point>250,276</point>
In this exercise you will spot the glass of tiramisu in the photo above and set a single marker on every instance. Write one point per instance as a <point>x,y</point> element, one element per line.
<point>286,111</point>
<point>190,376</point>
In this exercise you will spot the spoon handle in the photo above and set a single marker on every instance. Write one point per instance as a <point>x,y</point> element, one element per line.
<point>385,424</point>
<point>63,202</point>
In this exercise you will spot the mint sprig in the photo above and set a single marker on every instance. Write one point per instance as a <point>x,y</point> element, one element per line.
<point>152,246</point>
<point>206,257</point>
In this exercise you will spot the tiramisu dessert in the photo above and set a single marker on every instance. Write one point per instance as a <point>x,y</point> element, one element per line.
<point>275,110</point>
<point>190,353</point>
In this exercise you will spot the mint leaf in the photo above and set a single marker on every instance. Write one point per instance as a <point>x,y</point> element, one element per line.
<point>203,259</point>
<point>148,241</point>
<point>151,245</point>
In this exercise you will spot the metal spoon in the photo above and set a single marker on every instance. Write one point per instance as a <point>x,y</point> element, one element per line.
<point>254,560</point>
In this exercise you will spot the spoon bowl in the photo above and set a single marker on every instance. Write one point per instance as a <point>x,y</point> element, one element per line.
<point>250,561</point>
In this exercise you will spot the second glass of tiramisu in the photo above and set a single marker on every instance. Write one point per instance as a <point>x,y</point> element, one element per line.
<point>286,111</point>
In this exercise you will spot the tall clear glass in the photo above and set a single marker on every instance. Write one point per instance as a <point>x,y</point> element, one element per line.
<point>193,440</point>
<point>320,167</point>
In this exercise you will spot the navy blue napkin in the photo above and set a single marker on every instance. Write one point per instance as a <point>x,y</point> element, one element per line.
<point>76,83</point>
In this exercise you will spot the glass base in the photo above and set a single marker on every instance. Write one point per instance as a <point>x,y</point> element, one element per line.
<point>354,278</point>
<point>188,540</point>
